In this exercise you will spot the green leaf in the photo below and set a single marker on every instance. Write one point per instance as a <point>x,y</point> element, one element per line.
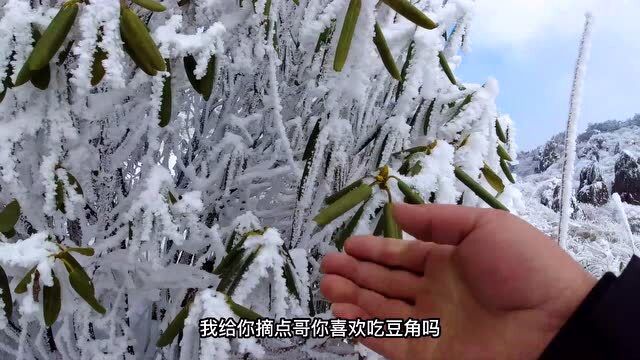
<point>227,277</point>
<point>507,171</point>
<point>41,78</point>
<point>189,67</point>
<point>382,148</point>
<point>492,178</point>
<point>24,75</point>
<point>25,72</point>
<point>243,269</point>
<point>84,288</point>
<point>61,191</point>
<point>337,195</point>
<point>415,169</point>
<point>347,230</point>
<point>346,35</point>
<point>150,5</point>
<point>373,136</point>
<point>86,251</point>
<point>303,180</point>
<point>289,280</point>
<point>241,311</point>
<point>174,328</point>
<point>9,216</point>
<point>52,301</point>
<point>465,102</point>
<point>6,294</point>
<point>64,54</point>
<point>343,204</point>
<point>311,144</point>
<point>232,237</point>
<point>21,288</point>
<point>167,99</point>
<point>390,228</point>
<point>446,68</point>
<point>73,182</point>
<point>97,69</point>
<point>9,234</point>
<point>325,36</point>
<point>53,37</point>
<point>140,62</point>
<point>427,117</point>
<point>71,264</point>
<point>502,152</point>
<point>405,68</point>
<point>404,169</point>
<point>232,257</point>
<point>463,142</point>
<point>80,281</point>
<point>478,189</point>
<point>208,80</point>
<point>59,197</point>
<point>172,198</point>
<point>418,149</point>
<point>385,53</point>
<point>411,196</point>
<point>136,35</point>
<point>411,13</point>
<point>414,118</point>
<point>500,132</point>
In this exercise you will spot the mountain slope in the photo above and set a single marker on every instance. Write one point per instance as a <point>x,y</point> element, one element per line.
<point>606,163</point>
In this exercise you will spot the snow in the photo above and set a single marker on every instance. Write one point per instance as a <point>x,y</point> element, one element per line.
<point>234,163</point>
<point>35,250</point>
<point>598,237</point>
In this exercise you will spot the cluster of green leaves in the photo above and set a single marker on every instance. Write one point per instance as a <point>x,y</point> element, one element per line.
<point>231,270</point>
<point>490,175</point>
<point>359,193</point>
<point>137,43</point>
<point>52,295</point>
<point>403,8</point>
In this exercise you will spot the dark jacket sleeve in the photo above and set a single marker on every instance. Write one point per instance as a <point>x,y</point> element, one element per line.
<point>607,323</point>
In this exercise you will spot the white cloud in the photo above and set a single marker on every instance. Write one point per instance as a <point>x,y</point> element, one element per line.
<point>516,24</point>
<point>537,41</point>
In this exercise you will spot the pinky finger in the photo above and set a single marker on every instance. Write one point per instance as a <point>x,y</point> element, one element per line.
<point>348,311</point>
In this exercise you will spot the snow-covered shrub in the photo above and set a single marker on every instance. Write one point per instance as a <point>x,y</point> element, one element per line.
<point>165,162</point>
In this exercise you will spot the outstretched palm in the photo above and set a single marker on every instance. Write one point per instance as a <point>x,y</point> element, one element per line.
<point>501,288</point>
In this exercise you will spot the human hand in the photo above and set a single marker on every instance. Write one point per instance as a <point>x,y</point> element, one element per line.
<point>501,288</point>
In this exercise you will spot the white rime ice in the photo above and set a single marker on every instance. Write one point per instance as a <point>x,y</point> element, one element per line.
<point>221,200</point>
<point>570,135</point>
<point>624,221</point>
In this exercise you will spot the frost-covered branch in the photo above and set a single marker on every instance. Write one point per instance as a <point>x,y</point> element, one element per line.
<point>571,133</point>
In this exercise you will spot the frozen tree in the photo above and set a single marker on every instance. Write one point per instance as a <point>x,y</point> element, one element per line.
<point>162,162</point>
<point>566,188</point>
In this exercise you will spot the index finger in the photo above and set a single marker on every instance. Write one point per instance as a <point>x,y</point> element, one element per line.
<point>441,224</point>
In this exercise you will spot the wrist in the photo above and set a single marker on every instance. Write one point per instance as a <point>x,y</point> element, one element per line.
<point>567,305</point>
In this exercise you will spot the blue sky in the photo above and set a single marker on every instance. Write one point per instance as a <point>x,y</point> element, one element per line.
<point>531,46</point>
